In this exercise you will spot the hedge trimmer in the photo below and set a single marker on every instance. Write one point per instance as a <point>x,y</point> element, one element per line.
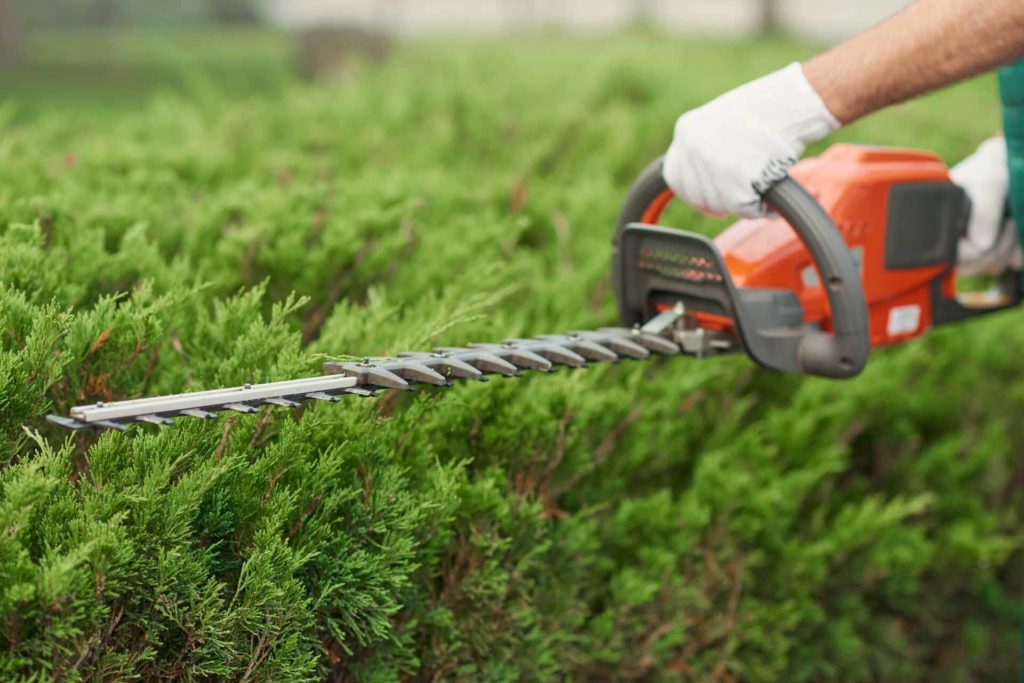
<point>862,253</point>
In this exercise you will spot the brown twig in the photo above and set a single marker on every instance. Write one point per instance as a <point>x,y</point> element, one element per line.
<point>222,446</point>
<point>265,418</point>
<point>601,453</point>
<point>312,325</point>
<point>310,509</point>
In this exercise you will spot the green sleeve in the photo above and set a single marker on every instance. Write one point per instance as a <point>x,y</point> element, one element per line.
<point>1011,88</point>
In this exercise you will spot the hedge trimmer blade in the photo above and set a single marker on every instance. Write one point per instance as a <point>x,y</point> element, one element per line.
<point>365,378</point>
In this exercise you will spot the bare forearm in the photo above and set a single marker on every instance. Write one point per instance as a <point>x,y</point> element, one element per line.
<point>930,44</point>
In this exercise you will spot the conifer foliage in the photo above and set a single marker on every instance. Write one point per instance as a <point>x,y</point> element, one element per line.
<point>678,520</point>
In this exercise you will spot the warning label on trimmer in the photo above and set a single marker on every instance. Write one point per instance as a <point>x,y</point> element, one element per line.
<point>903,320</point>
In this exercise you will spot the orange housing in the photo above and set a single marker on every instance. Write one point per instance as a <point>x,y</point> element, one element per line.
<point>852,184</point>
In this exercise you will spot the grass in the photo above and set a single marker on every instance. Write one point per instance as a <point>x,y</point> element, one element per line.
<point>672,521</point>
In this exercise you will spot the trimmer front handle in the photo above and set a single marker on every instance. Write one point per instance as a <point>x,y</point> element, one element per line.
<point>654,267</point>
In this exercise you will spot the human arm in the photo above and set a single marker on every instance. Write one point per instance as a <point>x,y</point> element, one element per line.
<point>928,45</point>
<point>727,152</point>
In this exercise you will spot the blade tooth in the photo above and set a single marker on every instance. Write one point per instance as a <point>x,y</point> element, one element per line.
<point>110,424</point>
<point>417,372</point>
<point>617,343</point>
<point>333,367</point>
<point>453,367</point>
<point>590,350</point>
<point>517,355</point>
<point>651,342</point>
<point>322,396</point>
<point>481,360</point>
<point>556,353</point>
<point>281,401</point>
<point>199,413</point>
<point>594,351</point>
<point>380,377</point>
<point>155,420</point>
<point>625,347</point>
<point>68,422</point>
<point>488,362</point>
<point>528,359</point>
<point>241,408</point>
<point>368,374</point>
<point>359,391</point>
<point>659,344</point>
<point>445,362</point>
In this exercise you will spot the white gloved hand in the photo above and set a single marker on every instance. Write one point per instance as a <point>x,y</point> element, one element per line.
<point>991,245</point>
<point>727,152</point>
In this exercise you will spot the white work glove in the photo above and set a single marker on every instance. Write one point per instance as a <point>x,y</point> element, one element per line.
<point>991,245</point>
<point>727,152</point>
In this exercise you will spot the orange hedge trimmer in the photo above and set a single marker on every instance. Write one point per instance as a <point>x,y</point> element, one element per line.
<point>862,253</point>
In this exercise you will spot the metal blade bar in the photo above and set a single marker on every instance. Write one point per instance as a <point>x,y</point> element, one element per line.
<point>364,378</point>
<point>208,399</point>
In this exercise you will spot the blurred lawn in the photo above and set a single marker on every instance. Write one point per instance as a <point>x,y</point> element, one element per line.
<point>96,72</point>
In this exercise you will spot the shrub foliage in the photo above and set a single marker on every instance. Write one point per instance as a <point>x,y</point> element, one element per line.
<point>679,520</point>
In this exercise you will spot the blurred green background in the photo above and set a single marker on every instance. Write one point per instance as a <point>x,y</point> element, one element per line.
<point>96,57</point>
<point>94,72</point>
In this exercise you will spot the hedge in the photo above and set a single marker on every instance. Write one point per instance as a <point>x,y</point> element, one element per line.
<point>675,520</point>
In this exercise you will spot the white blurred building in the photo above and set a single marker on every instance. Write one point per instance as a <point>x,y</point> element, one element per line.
<point>819,19</point>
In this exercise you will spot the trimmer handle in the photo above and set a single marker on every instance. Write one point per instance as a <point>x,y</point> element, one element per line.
<point>840,353</point>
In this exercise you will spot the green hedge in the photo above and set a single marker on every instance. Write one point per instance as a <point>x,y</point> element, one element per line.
<point>676,520</point>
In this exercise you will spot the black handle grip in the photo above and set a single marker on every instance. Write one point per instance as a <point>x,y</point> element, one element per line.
<point>841,353</point>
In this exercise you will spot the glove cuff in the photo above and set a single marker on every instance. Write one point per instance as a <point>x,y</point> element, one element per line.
<point>802,116</point>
